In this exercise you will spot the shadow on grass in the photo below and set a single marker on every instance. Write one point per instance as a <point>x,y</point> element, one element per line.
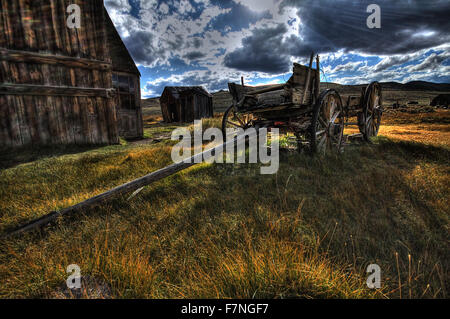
<point>414,150</point>
<point>11,157</point>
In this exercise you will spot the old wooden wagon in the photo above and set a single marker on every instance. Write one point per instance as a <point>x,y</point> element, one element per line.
<point>185,104</point>
<point>61,84</point>
<point>316,118</point>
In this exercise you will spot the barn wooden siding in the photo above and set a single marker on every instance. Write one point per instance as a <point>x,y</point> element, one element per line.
<point>55,82</point>
<point>130,124</point>
<point>185,104</point>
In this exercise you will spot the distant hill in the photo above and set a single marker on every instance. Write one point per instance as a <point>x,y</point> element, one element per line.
<point>410,86</point>
<point>421,86</point>
<point>152,102</point>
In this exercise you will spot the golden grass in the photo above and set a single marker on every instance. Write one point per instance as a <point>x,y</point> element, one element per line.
<point>226,231</point>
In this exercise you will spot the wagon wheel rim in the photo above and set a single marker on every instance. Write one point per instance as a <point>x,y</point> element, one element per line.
<point>329,125</point>
<point>235,120</point>
<point>373,110</point>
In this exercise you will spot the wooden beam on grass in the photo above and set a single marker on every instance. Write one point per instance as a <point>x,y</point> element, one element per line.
<point>129,187</point>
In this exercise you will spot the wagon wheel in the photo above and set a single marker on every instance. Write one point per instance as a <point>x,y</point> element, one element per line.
<point>233,121</point>
<point>372,111</point>
<point>327,126</point>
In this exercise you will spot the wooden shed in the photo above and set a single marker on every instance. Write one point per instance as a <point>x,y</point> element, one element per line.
<point>63,85</point>
<point>442,100</point>
<point>185,104</point>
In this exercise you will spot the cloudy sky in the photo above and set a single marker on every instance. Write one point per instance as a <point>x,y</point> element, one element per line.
<point>213,42</point>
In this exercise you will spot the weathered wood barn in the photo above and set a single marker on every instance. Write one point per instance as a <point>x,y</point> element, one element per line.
<point>65,85</point>
<point>185,104</point>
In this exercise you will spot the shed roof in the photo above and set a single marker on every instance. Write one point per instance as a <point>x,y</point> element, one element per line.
<point>176,91</point>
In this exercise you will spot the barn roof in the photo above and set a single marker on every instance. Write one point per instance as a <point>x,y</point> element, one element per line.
<point>176,91</point>
<point>121,58</point>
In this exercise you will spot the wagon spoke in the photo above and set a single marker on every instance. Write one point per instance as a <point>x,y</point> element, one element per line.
<point>332,109</point>
<point>322,121</point>
<point>234,124</point>
<point>321,142</point>
<point>233,121</point>
<point>333,119</point>
<point>374,127</point>
<point>370,126</point>
<point>320,132</point>
<point>237,117</point>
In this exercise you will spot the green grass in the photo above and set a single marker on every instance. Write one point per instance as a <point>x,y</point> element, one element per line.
<point>226,231</point>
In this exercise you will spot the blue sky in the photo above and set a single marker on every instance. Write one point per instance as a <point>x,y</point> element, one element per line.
<point>213,42</point>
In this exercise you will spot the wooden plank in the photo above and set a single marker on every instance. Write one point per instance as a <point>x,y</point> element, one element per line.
<point>30,89</point>
<point>4,72</point>
<point>39,25</point>
<point>54,17</point>
<point>17,34</point>
<point>125,188</point>
<point>14,120</point>
<point>46,21</point>
<point>269,89</point>
<point>317,82</point>
<point>77,121</point>
<point>308,79</point>
<point>7,28</point>
<point>64,133</point>
<point>33,57</point>
<point>101,120</point>
<point>53,121</point>
<point>23,120</point>
<point>65,39</point>
<point>3,41</point>
<point>5,124</point>
<point>31,118</point>
<point>43,119</point>
<point>26,23</point>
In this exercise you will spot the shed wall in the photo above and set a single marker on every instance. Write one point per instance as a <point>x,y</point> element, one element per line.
<point>185,107</point>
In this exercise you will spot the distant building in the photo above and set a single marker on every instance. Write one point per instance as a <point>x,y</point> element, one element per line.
<point>64,85</point>
<point>442,100</point>
<point>185,104</point>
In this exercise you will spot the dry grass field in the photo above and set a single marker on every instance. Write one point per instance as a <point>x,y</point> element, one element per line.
<point>226,231</point>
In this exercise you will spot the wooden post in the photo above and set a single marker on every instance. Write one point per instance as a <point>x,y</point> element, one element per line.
<point>308,78</point>
<point>317,78</point>
<point>242,81</point>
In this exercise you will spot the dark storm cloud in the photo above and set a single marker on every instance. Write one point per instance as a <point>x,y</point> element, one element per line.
<point>139,44</point>
<point>263,51</point>
<point>239,17</point>
<point>194,55</point>
<point>331,25</point>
